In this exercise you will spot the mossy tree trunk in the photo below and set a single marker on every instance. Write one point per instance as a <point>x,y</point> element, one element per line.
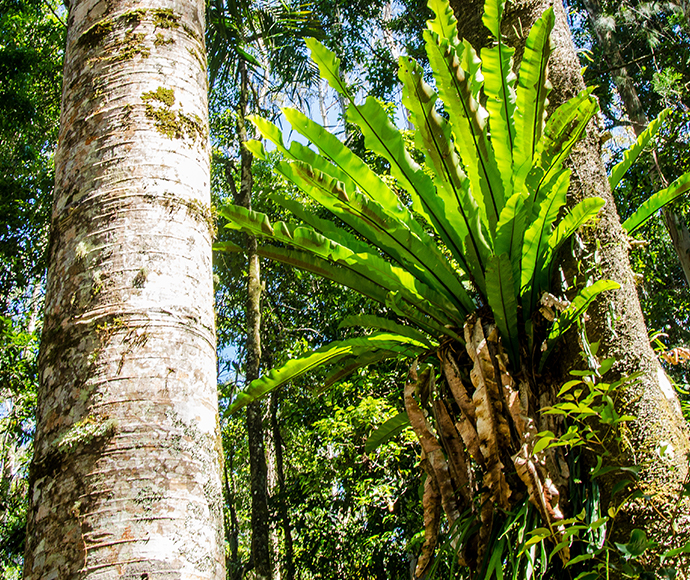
<point>658,440</point>
<point>261,553</point>
<point>126,479</point>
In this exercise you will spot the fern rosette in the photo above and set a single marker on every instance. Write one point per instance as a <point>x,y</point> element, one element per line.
<point>460,251</point>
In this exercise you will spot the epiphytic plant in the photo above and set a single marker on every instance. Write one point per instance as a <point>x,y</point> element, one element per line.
<point>461,251</point>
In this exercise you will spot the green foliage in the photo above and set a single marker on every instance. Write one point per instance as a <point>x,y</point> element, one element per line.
<point>352,515</point>
<point>588,404</point>
<point>389,429</point>
<point>18,379</point>
<point>31,41</point>
<point>631,154</point>
<point>657,200</point>
<point>493,208</point>
<point>31,44</point>
<point>264,35</point>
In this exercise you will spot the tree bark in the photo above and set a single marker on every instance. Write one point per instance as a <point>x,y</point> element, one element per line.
<point>289,552</point>
<point>232,532</point>
<point>272,488</point>
<point>652,401</point>
<point>261,554</point>
<point>126,477</point>
<point>677,229</point>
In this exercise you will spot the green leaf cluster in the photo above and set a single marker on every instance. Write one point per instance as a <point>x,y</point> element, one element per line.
<point>477,226</point>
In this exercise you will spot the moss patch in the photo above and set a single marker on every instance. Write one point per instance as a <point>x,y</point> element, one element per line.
<point>95,35</point>
<point>165,18</point>
<point>162,40</point>
<point>106,329</point>
<point>165,121</point>
<point>193,125</point>
<point>175,125</point>
<point>131,46</point>
<point>84,432</point>
<point>165,96</point>
<point>134,17</point>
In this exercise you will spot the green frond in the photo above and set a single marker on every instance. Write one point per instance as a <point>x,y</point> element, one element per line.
<point>329,65</point>
<point>500,292</point>
<point>330,354</point>
<point>493,15</point>
<point>461,218</point>
<point>658,200</point>
<point>576,309</point>
<point>468,124</point>
<point>563,129</point>
<point>387,431</point>
<point>536,240</point>
<point>532,90</point>
<point>631,155</point>
<point>499,87</point>
<point>371,321</point>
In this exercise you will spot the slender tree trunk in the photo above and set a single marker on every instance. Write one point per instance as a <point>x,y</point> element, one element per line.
<point>322,86</point>
<point>126,479</point>
<point>616,321</point>
<point>677,229</point>
<point>272,488</point>
<point>234,567</point>
<point>232,532</point>
<point>289,555</point>
<point>261,558</point>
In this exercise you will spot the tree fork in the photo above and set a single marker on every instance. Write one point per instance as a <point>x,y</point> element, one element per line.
<point>126,476</point>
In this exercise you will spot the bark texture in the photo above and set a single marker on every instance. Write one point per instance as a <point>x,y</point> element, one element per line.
<point>126,475</point>
<point>618,320</point>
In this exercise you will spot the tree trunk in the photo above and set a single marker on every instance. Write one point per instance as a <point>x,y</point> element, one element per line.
<point>289,553</point>
<point>624,336</point>
<point>261,558</point>
<point>680,236</point>
<point>322,87</point>
<point>272,488</point>
<point>232,532</point>
<point>126,479</point>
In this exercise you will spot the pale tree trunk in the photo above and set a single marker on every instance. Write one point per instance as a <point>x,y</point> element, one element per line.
<point>658,440</point>
<point>322,86</point>
<point>677,229</point>
<point>261,556</point>
<point>126,479</point>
